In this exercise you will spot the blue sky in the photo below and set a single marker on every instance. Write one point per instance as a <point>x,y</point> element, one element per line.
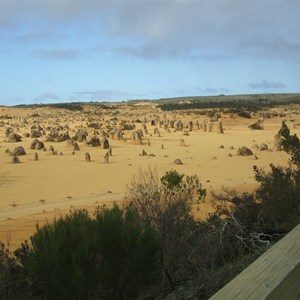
<point>60,51</point>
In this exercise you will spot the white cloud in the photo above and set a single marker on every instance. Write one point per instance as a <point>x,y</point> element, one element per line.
<point>103,94</point>
<point>47,97</point>
<point>209,90</point>
<point>264,84</point>
<point>57,54</point>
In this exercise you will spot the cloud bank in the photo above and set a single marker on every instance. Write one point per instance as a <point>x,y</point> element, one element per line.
<point>47,97</point>
<point>57,54</point>
<point>264,84</point>
<point>217,30</point>
<point>102,94</point>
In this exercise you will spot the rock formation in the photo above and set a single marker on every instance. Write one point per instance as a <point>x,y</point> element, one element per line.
<point>182,143</point>
<point>18,151</point>
<point>136,136</point>
<point>94,141</point>
<point>15,159</point>
<point>87,156</point>
<point>259,125</point>
<point>105,143</point>
<point>36,156</point>
<point>37,145</point>
<point>106,157</point>
<point>14,137</point>
<point>177,161</point>
<point>244,151</point>
<point>263,147</point>
<point>76,147</point>
<point>220,127</point>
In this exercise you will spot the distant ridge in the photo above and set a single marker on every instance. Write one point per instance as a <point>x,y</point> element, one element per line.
<point>272,98</point>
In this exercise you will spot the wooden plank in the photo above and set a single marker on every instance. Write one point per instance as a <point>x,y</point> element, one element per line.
<point>274,275</point>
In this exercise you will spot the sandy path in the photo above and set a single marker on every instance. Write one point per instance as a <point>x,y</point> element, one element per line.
<point>33,209</point>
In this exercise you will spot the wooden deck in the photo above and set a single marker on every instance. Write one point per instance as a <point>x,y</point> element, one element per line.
<point>274,275</point>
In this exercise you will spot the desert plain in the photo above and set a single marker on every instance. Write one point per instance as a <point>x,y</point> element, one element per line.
<point>36,191</point>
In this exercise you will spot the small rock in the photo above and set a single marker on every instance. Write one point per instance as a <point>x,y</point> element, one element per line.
<point>36,156</point>
<point>177,161</point>
<point>244,151</point>
<point>15,159</point>
<point>263,147</point>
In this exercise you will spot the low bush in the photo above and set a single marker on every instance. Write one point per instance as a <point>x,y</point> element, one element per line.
<point>110,256</point>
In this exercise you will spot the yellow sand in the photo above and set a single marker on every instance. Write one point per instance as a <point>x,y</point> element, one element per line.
<point>34,191</point>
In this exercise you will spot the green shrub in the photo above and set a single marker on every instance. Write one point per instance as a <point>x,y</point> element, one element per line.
<point>290,144</point>
<point>129,259</point>
<point>111,256</point>
<point>172,179</point>
<point>14,282</point>
<point>279,190</point>
<point>279,194</point>
<point>63,258</point>
<point>70,106</point>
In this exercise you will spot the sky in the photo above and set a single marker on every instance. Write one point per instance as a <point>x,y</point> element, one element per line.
<point>81,50</point>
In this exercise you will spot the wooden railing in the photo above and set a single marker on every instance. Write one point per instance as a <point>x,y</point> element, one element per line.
<point>274,275</point>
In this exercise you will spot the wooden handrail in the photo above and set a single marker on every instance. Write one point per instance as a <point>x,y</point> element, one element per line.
<point>274,275</point>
